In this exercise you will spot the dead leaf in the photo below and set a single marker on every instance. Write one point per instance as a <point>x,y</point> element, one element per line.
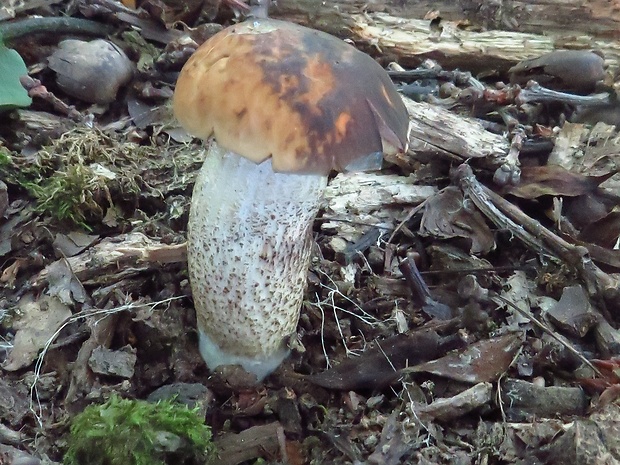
<point>38,321</point>
<point>395,442</point>
<point>9,228</point>
<point>62,283</point>
<point>573,313</point>
<point>603,232</point>
<point>586,209</point>
<point>481,362</point>
<point>378,367</point>
<point>445,216</point>
<point>73,243</point>
<point>9,274</point>
<point>554,180</point>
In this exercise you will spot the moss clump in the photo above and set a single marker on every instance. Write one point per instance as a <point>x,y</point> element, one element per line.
<point>89,178</point>
<point>135,432</point>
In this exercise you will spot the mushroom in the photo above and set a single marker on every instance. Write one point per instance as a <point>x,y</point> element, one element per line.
<point>283,105</point>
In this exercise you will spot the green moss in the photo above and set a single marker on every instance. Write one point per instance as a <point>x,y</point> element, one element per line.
<point>85,174</point>
<point>134,432</point>
<point>69,179</point>
<point>69,194</point>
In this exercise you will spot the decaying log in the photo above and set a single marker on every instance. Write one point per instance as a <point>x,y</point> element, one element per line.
<point>436,131</point>
<point>402,32</point>
<point>413,40</point>
<point>355,202</point>
<point>599,18</point>
<point>117,258</point>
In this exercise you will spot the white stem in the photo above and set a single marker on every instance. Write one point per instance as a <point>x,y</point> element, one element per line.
<point>249,245</point>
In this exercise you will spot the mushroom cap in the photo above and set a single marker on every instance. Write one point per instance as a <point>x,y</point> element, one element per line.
<point>313,103</point>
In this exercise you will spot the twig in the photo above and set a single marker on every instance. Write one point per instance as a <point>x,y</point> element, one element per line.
<point>410,215</point>
<point>510,172</point>
<point>506,216</point>
<point>549,331</point>
<point>421,292</point>
<point>479,196</point>
<point>534,92</point>
<point>37,90</point>
<point>436,72</point>
<point>55,26</point>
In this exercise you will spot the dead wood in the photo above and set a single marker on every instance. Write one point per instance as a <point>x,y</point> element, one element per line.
<point>435,131</point>
<point>490,41</point>
<point>597,17</point>
<point>257,441</point>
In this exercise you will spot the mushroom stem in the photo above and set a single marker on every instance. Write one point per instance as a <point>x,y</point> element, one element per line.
<point>249,247</point>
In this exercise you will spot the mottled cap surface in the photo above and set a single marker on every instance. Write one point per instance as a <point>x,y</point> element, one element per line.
<point>267,88</point>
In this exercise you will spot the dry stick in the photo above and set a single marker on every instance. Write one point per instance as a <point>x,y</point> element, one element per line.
<point>66,25</point>
<point>534,93</point>
<point>37,90</point>
<point>420,291</point>
<point>410,215</point>
<point>506,216</point>
<point>510,171</point>
<point>479,196</point>
<point>534,235</point>
<point>547,330</point>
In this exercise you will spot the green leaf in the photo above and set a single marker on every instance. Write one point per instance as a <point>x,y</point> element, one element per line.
<point>12,67</point>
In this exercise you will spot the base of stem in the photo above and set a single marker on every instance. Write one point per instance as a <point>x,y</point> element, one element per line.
<point>214,356</point>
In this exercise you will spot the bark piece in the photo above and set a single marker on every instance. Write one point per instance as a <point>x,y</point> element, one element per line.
<point>257,441</point>
<point>524,401</point>
<point>81,378</point>
<point>288,412</point>
<point>358,201</point>
<point>190,394</point>
<point>456,406</point>
<point>435,131</point>
<point>116,258</point>
<point>14,401</point>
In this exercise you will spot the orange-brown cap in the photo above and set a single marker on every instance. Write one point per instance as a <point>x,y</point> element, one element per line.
<point>267,88</point>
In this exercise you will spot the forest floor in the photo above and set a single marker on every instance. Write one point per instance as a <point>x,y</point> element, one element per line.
<point>508,357</point>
